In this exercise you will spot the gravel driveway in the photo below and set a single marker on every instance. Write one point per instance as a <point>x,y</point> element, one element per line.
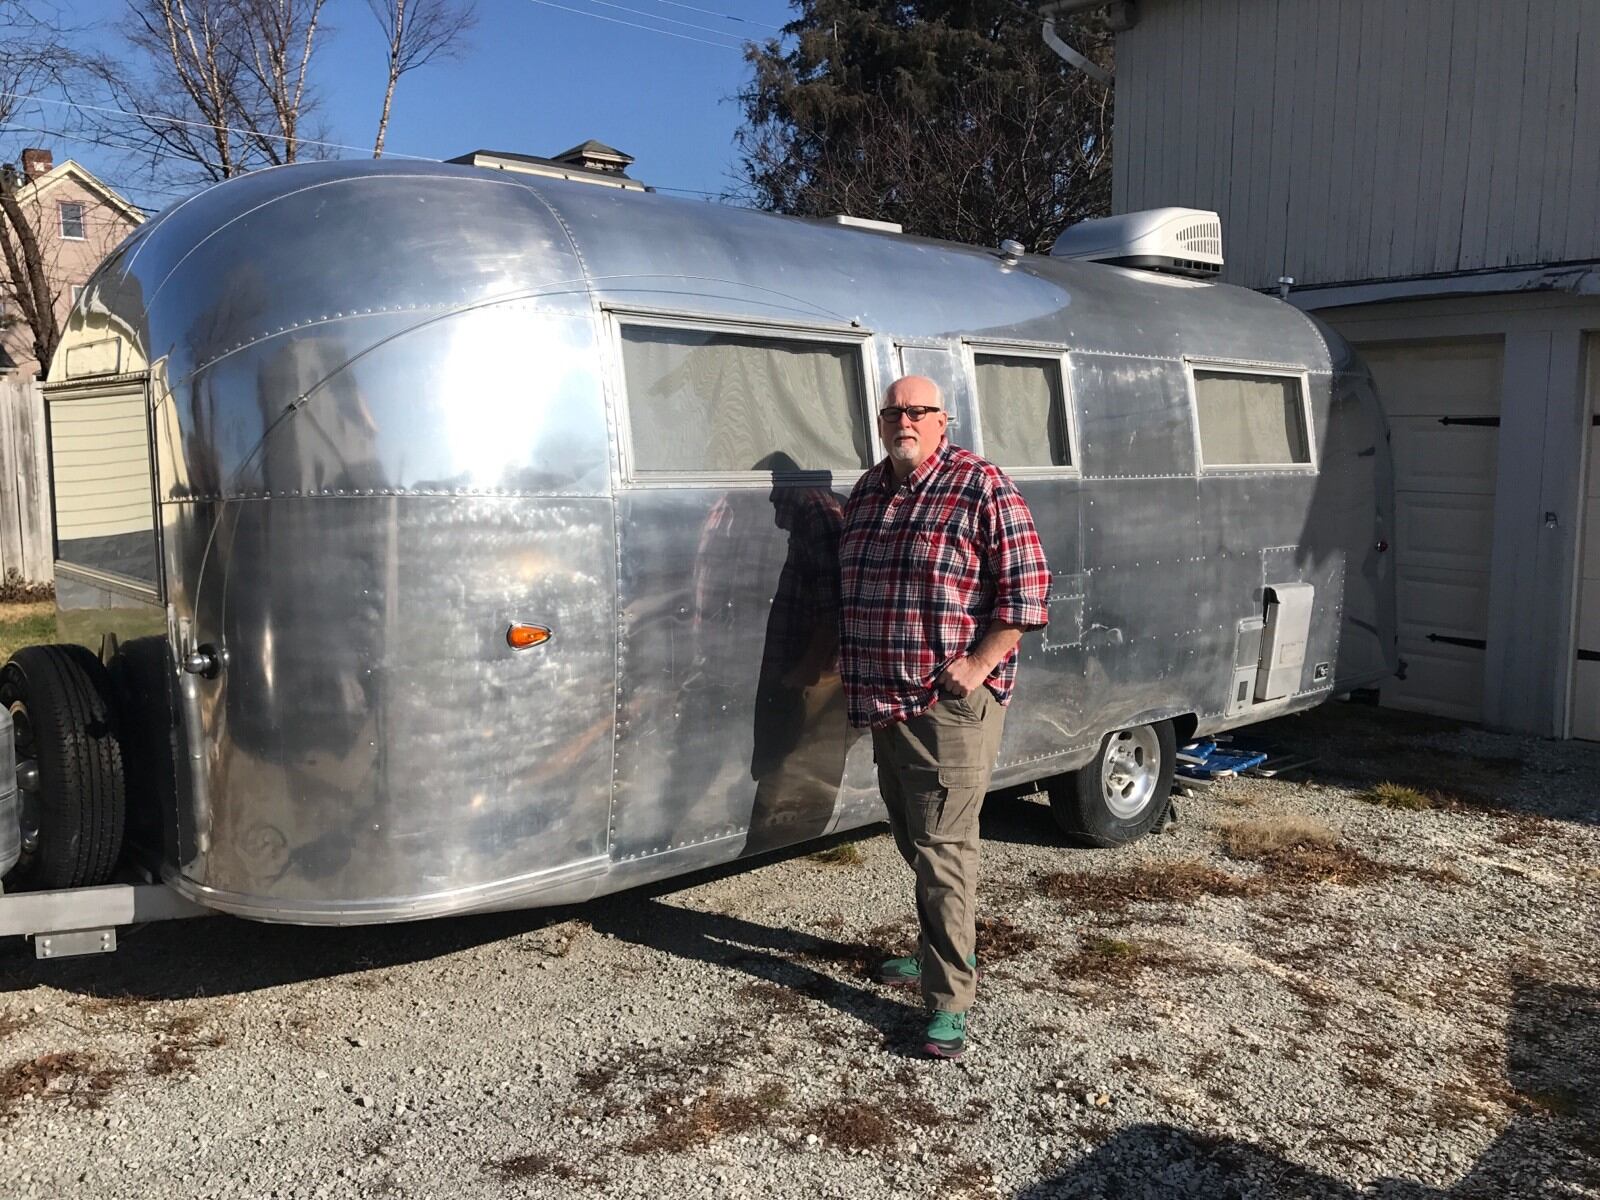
<point>1296,991</point>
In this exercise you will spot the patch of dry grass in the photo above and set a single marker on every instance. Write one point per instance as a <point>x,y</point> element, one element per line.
<point>1000,939</point>
<point>852,1125</point>
<point>845,854</point>
<point>1101,965</point>
<point>1296,851</point>
<point>1152,883</point>
<point>13,1022</point>
<point>1259,837</point>
<point>684,1122</point>
<point>72,1077</point>
<point>542,1166</point>
<point>1388,794</point>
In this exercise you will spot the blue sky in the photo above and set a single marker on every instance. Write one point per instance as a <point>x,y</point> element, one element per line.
<point>537,77</point>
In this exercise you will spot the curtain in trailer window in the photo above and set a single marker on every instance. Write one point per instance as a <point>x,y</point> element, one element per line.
<point>1248,420</point>
<point>701,401</point>
<point>1022,408</point>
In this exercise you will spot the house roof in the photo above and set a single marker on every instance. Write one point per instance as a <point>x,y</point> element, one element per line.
<point>69,169</point>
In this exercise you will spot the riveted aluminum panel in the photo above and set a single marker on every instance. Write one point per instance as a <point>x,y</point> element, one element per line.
<point>721,730</point>
<point>372,744</point>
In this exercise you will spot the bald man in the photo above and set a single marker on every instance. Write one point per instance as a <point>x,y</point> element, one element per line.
<point>941,573</point>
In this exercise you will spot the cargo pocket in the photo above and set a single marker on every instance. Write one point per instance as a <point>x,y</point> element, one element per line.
<point>955,779</point>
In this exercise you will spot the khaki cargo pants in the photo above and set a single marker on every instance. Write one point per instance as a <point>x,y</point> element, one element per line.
<point>933,771</point>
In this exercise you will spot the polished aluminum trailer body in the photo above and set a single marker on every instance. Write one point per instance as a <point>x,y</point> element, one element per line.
<point>388,418</point>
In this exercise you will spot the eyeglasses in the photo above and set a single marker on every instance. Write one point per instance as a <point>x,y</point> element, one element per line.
<point>915,411</point>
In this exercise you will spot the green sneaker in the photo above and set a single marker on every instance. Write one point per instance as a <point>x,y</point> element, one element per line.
<point>947,1035</point>
<point>900,972</point>
<point>907,972</point>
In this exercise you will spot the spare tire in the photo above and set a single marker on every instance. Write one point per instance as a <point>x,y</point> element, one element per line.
<point>65,720</point>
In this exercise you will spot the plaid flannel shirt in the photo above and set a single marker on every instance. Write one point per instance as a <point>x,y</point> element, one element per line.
<point>926,566</point>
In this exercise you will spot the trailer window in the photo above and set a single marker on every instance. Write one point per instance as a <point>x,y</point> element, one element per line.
<point>1251,420</point>
<point>700,400</point>
<point>1022,410</point>
<point>100,471</point>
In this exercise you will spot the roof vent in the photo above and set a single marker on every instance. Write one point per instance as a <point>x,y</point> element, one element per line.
<point>1181,241</point>
<point>868,223</point>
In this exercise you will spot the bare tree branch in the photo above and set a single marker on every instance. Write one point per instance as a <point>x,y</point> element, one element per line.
<point>417,32</point>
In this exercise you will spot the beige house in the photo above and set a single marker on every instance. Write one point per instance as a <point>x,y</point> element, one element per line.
<point>1428,177</point>
<point>79,220</point>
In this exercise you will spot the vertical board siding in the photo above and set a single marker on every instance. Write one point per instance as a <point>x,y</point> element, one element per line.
<point>1344,140</point>
<point>25,542</point>
<point>1581,215</point>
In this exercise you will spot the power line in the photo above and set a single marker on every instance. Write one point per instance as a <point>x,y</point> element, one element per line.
<point>711,12</point>
<point>650,16</point>
<point>583,12</point>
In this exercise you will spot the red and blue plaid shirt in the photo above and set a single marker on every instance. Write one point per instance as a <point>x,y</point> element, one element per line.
<point>925,567</point>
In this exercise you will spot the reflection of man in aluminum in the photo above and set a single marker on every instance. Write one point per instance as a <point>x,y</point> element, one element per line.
<point>941,572</point>
<point>801,736</point>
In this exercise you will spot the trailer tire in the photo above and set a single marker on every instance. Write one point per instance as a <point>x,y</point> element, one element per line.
<point>60,699</point>
<point>1123,793</point>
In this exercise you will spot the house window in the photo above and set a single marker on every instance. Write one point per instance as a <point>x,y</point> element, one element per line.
<point>1022,410</point>
<point>77,294</point>
<point>72,226</point>
<point>710,401</point>
<point>1248,419</point>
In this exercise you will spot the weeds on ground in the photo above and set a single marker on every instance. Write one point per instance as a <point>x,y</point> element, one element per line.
<point>845,854</point>
<point>542,1166</point>
<point>15,589</point>
<point>1298,851</point>
<point>1387,794</point>
<point>1103,964</point>
<point>771,998</point>
<point>851,1125</point>
<point>684,1122</point>
<point>72,1077</point>
<point>1258,837</point>
<point>1152,883</point>
<point>1000,939</point>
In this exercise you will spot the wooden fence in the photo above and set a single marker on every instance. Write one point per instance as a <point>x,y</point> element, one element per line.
<point>25,545</point>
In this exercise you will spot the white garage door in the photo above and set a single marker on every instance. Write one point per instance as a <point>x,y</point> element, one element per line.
<point>1586,673</point>
<point>1443,404</point>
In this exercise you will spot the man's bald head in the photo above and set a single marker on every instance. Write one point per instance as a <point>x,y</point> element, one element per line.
<point>913,391</point>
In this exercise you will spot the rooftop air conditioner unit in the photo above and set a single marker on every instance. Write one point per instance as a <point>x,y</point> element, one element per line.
<point>1180,241</point>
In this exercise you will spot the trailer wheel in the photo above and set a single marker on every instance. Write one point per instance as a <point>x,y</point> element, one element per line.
<point>65,727</point>
<point>1121,795</point>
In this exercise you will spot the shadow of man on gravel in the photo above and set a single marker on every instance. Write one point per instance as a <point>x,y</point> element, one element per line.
<point>1550,1147</point>
<point>798,963</point>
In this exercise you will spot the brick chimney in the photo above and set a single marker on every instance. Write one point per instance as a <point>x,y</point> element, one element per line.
<point>37,162</point>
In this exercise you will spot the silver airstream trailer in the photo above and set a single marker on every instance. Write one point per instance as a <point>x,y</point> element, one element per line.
<point>432,539</point>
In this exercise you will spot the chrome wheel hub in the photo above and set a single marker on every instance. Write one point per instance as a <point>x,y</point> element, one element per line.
<point>1129,771</point>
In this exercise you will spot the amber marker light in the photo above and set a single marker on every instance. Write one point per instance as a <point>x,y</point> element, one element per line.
<point>523,636</point>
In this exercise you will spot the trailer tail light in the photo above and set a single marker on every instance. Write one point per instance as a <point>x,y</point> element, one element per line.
<point>523,636</point>
<point>1383,546</point>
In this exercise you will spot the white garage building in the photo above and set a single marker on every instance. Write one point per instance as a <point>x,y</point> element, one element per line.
<point>1428,174</point>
